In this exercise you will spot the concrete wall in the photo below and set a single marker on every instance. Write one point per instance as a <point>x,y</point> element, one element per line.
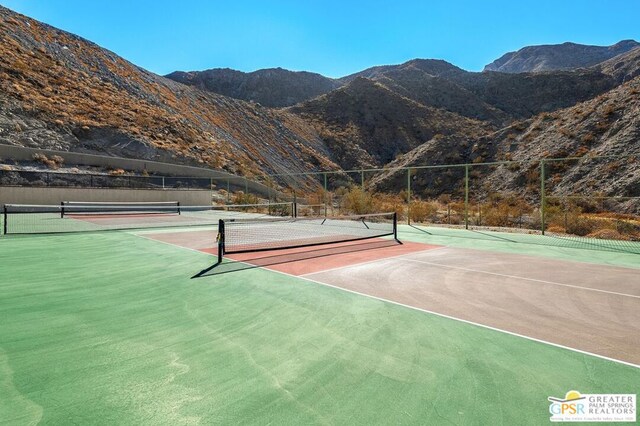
<point>53,196</point>
<point>21,153</point>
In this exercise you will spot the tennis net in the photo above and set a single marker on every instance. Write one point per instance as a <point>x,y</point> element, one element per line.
<point>260,234</point>
<point>100,208</point>
<point>44,219</point>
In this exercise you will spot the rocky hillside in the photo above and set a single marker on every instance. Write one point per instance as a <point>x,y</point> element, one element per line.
<point>63,92</point>
<point>274,87</point>
<point>608,125</point>
<point>494,97</point>
<point>367,124</point>
<point>497,97</point>
<point>623,67</point>
<point>553,57</point>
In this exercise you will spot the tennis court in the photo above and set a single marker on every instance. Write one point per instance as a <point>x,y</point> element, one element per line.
<point>452,326</point>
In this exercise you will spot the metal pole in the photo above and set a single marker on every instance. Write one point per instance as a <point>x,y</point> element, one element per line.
<point>246,186</point>
<point>325,194</point>
<point>362,179</point>
<point>228,190</point>
<point>162,182</point>
<point>466,196</point>
<point>542,196</point>
<point>220,240</point>
<point>395,227</point>
<point>4,230</point>
<point>408,196</point>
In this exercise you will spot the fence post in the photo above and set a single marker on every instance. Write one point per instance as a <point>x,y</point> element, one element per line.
<point>408,196</point>
<point>542,197</point>
<point>466,196</point>
<point>4,213</point>
<point>246,187</point>
<point>228,191</point>
<point>362,179</point>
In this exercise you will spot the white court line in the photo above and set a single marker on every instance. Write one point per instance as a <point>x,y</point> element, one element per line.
<point>420,309</point>
<point>478,271</point>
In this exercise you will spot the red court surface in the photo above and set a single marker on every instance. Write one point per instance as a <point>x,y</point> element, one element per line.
<point>302,260</point>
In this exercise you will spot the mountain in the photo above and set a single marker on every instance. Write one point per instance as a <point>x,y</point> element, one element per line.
<point>63,92</point>
<point>433,67</point>
<point>623,67</point>
<point>608,125</point>
<point>491,96</point>
<point>367,124</point>
<point>553,57</point>
<point>275,87</point>
<point>429,82</point>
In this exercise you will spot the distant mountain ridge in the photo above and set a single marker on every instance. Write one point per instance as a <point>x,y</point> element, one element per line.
<point>554,57</point>
<point>272,87</point>
<point>63,92</point>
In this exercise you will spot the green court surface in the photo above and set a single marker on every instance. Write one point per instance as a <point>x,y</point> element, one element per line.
<point>108,328</point>
<point>605,252</point>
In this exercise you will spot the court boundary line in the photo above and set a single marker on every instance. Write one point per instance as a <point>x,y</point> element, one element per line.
<point>461,268</point>
<point>415,308</point>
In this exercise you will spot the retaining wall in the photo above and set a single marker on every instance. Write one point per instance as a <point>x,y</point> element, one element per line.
<point>53,196</point>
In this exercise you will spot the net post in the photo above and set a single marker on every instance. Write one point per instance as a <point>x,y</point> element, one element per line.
<point>61,209</point>
<point>408,196</point>
<point>395,227</point>
<point>294,213</point>
<point>466,196</point>
<point>5,216</point>
<point>325,194</point>
<point>178,205</point>
<point>542,197</point>
<point>220,240</point>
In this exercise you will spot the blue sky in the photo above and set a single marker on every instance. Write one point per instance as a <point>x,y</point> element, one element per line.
<point>334,38</point>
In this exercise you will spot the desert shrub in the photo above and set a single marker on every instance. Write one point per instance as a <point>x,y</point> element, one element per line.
<point>607,234</point>
<point>357,201</point>
<point>385,203</point>
<point>557,229</point>
<point>498,215</point>
<point>581,225</point>
<point>241,198</point>
<point>53,163</point>
<point>588,138</point>
<point>423,211</point>
<point>513,167</point>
